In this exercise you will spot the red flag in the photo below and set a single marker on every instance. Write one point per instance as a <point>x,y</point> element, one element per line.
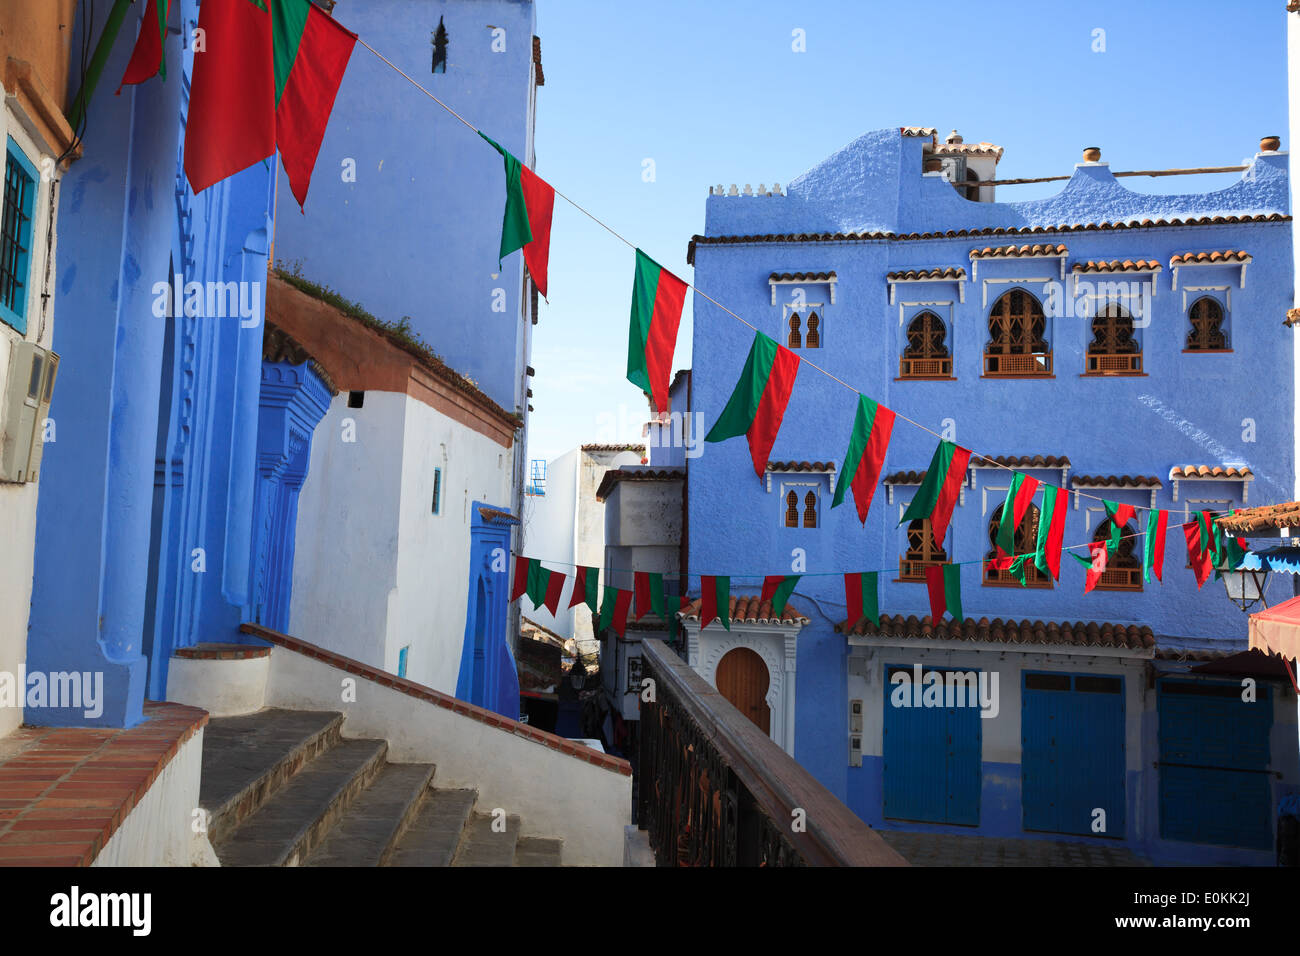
<point>641,584</point>
<point>522,566</point>
<point>1097,567</point>
<point>1201,558</point>
<point>554,585</point>
<point>231,121</point>
<point>147,60</point>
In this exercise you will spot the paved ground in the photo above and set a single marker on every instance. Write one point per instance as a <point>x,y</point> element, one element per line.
<point>949,849</point>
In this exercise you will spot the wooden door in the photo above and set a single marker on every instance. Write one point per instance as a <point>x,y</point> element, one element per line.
<point>742,679</point>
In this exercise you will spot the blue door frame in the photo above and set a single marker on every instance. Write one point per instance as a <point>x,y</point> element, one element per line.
<point>487,674</point>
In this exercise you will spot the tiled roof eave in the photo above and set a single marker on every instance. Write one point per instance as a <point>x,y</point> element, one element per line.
<point>1022,634</point>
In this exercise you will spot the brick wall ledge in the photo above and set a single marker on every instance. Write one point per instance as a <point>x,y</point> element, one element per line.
<point>464,708</point>
<point>221,652</point>
<point>64,791</point>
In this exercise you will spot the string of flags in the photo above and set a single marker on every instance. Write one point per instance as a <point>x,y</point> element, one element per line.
<point>1209,548</point>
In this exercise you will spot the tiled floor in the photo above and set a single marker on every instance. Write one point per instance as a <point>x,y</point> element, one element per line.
<point>951,849</point>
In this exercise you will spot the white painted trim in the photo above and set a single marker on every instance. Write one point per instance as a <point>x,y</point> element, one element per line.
<point>829,283</point>
<point>960,283</point>
<point>1212,265</point>
<point>984,287</point>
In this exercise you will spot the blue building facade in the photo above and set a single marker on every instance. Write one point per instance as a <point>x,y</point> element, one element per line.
<point>1101,340</point>
<point>176,432</point>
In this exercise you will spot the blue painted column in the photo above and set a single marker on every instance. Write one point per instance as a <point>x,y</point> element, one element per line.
<point>92,541</point>
<point>488,676</point>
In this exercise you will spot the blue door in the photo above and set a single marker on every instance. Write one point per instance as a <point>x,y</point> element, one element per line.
<point>932,760</point>
<point>1072,754</point>
<point>1214,759</point>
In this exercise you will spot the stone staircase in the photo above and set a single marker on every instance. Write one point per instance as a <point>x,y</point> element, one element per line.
<point>285,788</point>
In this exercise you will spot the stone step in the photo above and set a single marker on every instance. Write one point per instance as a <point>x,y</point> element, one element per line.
<point>433,836</point>
<point>294,821</point>
<point>247,759</point>
<point>368,832</point>
<point>538,851</point>
<point>481,845</point>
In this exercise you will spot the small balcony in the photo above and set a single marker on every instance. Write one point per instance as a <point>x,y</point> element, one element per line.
<point>1120,579</point>
<point>1031,365</point>
<point>1003,578</point>
<point>925,367</point>
<point>910,569</point>
<point>1100,363</point>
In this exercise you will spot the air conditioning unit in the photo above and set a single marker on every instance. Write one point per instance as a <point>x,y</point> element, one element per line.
<point>855,733</point>
<point>28,388</point>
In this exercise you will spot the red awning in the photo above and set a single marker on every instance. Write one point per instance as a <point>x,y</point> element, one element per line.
<point>1277,629</point>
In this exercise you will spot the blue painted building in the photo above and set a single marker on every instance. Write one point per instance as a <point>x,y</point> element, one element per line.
<point>1101,340</point>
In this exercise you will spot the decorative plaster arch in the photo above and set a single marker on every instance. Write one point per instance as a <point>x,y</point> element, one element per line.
<point>775,646</point>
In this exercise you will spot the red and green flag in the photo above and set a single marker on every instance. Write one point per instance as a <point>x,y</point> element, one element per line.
<point>311,56</point>
<point>542,585</point>
<point>777,588</point>
<point>586,589</point>
<point>865,458</point>
<point>265,78</point>
<point>715,600</point>
<point>943,582</point>
<point>861,598</point>
<point>1153,553</point>
<point>148,58</point>
<point>758,402</point>
<point>937,496</point>
<point>657,299</point>
<point>1199,553</point>
<point>526,225</point>
<point>1019,496</point>
<point>1094,564</point>
<point>1120,515</point>
<point>649,588</point>
<point>613,610</point>
<point>1051,530</point>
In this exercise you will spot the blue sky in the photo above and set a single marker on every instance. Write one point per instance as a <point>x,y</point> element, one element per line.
<point>713,93</point>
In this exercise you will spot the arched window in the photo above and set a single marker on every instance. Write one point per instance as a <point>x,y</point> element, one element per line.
<point>796,339</point>
<point>792,510</point>
<point>921,551</point>
<point>997,570</point>
<point>810,510</point>
<point>926,354</point>
<point>813,339</point>
<point>1017,345</point>
<point>1206,334</point>
<point>1113,349</point>
<point>1123,569</point>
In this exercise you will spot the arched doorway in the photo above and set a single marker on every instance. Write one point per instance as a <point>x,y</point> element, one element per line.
<point>742,678</point>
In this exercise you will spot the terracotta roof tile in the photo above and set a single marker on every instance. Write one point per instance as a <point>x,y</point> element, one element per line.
<point>966,149</point>
<point>1226,256</point>
<point>952,272</point>
<point>918,130</point>
<point>747,610</point>
<point>1014,252</point>
<point>1116,481</point>
<point>1065,227</point>
<point>1248,520</point>
<point>1025,632</point>
<point>1118,265</point>
<point>1020,461</point>
<point>801,466</point>
<point>537,60</point>
<point>1210,471</point>
<point>801,277</point>
<point>905,478</point>
<point>615,475</point>
<point>625,447</point>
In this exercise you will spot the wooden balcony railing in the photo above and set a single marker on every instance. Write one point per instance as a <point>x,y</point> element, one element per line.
<point>925,367</point>
<point>1120,579</point>
<point>1103,364</point>
<point>1000,578</point>
<point>913,570</point>
<point>1036,364</point>
<point>715,790</point>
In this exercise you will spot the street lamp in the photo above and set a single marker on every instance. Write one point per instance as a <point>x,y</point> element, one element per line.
<point>1245,587</point>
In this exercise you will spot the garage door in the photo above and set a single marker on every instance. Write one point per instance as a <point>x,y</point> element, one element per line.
<point>932,770</point>
<point>1214,755</point>
<point>1072,756</point>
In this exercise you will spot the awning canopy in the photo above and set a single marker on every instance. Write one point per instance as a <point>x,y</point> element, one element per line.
<point>1277,629</point>
<point>1284,559</point>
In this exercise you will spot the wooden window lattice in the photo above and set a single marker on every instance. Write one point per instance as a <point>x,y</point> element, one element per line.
<point>1206,334</point>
